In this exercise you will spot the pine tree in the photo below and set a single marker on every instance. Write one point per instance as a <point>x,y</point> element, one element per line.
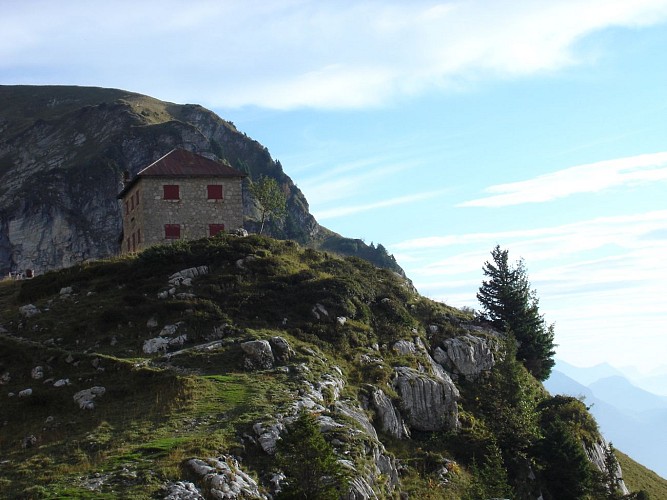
<point>309,462</point>
<point>511,305</point>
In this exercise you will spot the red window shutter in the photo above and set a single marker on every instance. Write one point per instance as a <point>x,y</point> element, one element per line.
<point>171,192</point>
<point>172,231</point>
<point>214,229</point>
<point>214,191</point>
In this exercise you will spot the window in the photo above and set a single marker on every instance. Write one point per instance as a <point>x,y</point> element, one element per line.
<point>127,208</point>
<point>214,191</point>
<point>172,231</point>
<point>214,229</point>
<point>131,203</point>
<point>171,192</point>
<point>138,236</point>
<point>134,243</point>
<point>137,196</point>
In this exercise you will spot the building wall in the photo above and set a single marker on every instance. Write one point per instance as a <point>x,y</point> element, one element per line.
<point>193,211</point>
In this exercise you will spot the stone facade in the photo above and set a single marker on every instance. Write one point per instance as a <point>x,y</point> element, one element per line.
<point>199,207</point>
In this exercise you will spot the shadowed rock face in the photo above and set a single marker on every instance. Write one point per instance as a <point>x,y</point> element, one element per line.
<point>63,151</point>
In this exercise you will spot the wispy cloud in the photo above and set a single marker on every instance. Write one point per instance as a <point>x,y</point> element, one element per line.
<point>355,209</point>
<point>295,53</point>
<point>541,244</point>
<point>589,178</point>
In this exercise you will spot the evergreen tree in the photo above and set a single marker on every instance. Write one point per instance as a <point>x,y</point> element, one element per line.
<point>309,462</point>
<point>511,305</point>
<point>567,472</point>
<point>271,199</point>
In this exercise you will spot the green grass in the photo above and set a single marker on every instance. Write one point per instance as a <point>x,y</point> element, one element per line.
<point>637,477</point>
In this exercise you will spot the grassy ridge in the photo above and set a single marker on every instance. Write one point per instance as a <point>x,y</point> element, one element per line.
<point>637,477</point>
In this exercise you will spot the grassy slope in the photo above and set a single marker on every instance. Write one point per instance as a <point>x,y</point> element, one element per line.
<point>637,477</point>
<point>156,412</point>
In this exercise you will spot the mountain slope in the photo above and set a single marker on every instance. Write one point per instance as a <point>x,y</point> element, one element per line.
<point>63,152</point>
<point>178,370</point>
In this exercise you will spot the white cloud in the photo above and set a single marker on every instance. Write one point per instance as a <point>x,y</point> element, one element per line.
<point>286,54</point>
<point>589,178</point>
<point>343,211</point>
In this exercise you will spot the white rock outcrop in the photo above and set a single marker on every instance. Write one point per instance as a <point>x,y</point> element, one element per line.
<point>428,403</point>
<point>468,355</point>
<point>258,355</point>
<point>223,478</point>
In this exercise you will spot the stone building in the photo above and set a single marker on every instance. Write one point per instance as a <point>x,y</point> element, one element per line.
<point>182,195</point>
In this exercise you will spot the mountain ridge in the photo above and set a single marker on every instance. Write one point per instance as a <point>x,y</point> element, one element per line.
<point>63,152</point>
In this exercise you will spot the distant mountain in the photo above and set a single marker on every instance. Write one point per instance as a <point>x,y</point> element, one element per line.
<point>587,375</point>
<point>63,153</point>
<point>620,392</point>
<point>633,419</point>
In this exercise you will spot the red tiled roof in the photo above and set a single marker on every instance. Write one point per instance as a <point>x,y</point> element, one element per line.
<point>182,163</point>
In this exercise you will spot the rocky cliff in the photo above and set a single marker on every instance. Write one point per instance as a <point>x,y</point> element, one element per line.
<point>63,152</point>
<point>178,372</point>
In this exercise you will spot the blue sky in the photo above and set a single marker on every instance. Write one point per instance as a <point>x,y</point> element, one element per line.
<point>438,129</point>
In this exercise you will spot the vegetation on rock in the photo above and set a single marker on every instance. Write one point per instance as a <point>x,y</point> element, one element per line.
<point>334,330</point>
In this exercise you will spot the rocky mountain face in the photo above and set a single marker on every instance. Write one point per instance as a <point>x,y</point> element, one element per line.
<point>178,372</point>
<point>63,152</point>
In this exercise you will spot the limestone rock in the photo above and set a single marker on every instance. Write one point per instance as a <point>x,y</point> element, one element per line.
<point>185,276</point>
<point>387,416</point>
<point>258,355</point>
<point>29,310</point>
<point>37,373</point>
<point>596,454</point>
<point>223,478</point>
<point>25,393</point>
<point>405,348</point>
<point>181,490</point>
<point>268,435</point>
<point>467,355</point>
<point>429,403</point>
<point>282,351</point>
<point>85,397</point>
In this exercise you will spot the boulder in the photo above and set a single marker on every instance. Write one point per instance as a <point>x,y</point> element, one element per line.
<point>85,397</point>
<point>258,355</point>
<point>223,478</point>
<point>467,355</point>
<point>25,393</point>
<point>429,403</point>
<point>37,373</point>
<point>28,310</point>
<point>282,351</point>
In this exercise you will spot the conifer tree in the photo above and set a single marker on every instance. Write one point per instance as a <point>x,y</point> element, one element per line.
<point>309,462</point>
<point>511,305</point>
